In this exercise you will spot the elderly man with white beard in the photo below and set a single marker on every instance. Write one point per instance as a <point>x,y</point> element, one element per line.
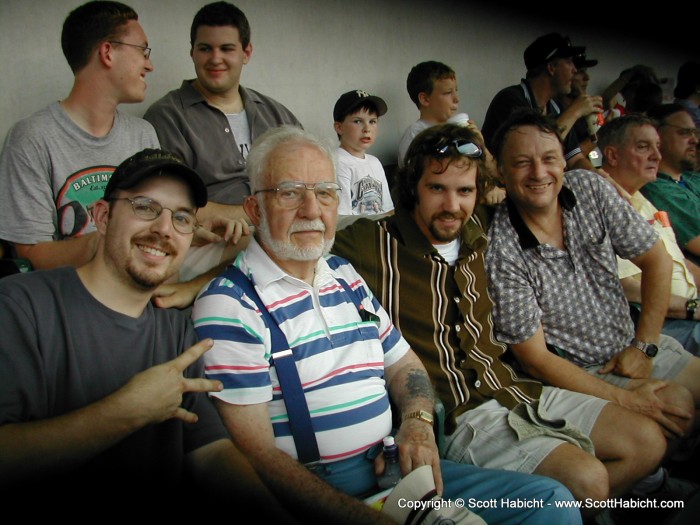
<point>353,365</point>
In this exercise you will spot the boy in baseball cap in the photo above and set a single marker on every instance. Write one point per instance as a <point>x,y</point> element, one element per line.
<point>364,186</point>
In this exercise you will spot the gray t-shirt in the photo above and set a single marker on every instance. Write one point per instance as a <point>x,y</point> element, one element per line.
<point>61,349</point>
<point>51,171</point>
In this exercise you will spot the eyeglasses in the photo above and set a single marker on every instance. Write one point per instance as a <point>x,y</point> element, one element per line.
<point>291,194</point>
<point>146,50</point>
<point>147,209</point>
<point>685,132</point>
<point>463,147</point>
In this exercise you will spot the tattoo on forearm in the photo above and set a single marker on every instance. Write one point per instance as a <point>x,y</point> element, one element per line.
<point>418,385</point>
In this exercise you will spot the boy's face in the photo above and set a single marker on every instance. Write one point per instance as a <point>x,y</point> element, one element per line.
<point>442,103</point>
<point>358,131</point>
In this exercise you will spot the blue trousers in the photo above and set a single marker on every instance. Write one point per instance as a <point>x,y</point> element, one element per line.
<point>498,496</point>
<point>685,332</point>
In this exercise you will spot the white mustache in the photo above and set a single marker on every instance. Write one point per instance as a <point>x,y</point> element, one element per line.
<point>304,225</point>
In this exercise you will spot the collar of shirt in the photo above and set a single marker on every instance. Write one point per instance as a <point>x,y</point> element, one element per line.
<point>527,239</point>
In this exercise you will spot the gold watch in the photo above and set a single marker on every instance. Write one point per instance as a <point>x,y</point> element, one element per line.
<point>424,416</point>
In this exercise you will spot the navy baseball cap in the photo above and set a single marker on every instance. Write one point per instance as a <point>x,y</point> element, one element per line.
<point>548,47</point>
<point>151,162</point>
<point>353,99</point>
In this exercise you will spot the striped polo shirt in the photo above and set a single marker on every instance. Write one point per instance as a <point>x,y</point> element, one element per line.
<point>340,358</point>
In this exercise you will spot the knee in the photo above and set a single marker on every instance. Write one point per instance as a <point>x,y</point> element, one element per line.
<point>646,445</point>
<point>590,481</point>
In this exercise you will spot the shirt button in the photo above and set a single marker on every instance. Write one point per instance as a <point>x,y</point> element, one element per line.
<point>458,328</point>
<point>477,383</point>
<point>227,130</point>
<point>457,299</point>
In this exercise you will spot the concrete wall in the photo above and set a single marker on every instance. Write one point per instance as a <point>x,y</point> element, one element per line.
<point>308,52</point>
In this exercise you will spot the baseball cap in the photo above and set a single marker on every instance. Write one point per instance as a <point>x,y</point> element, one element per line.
<point>151,162</point>
<point>581,61</point>
<point>547,48</point>
<point>352,99</point>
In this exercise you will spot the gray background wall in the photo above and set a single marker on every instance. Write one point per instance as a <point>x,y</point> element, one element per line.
<point>307,52</point>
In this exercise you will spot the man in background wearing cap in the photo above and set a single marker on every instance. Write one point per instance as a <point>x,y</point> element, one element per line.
<point>102,394</point>
<point>578,100</point>
<point>550,70</point>
<point>212,121</point>
<point>364,188</point>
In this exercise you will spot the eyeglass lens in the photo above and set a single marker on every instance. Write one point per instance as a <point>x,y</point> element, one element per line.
<point>292,194</point>
<point>149,210</point>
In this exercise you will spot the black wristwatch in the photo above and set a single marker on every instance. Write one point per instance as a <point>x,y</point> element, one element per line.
<point>649,349</point>
<point>690,306</point>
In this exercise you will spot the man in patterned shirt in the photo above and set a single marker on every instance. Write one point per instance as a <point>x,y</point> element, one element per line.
<point>553,277</point>
<point>426,265</point>
<point>350,359</point>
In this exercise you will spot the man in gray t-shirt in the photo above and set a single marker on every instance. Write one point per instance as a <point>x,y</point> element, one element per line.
<point>56,162</point>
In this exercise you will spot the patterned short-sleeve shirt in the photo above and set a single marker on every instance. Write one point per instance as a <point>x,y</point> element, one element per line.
<point>575,293</point>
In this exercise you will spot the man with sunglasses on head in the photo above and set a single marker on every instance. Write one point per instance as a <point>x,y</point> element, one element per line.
<point>676,189</point>
<point>426,267</point>
<point>356,372</point>
<point>103,403</point>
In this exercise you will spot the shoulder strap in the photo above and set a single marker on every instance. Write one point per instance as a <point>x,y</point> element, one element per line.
<point>292,391</point>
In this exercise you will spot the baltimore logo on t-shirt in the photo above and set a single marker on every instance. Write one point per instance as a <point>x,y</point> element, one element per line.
<point>80,191</point>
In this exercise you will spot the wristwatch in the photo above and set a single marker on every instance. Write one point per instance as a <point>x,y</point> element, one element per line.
<point>690,306</point>
<point>649,349</point>
<point>424,416</point>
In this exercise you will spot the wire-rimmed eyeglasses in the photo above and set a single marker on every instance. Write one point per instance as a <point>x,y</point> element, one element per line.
<point>291,194</point>
<point>184,221</point>
<point>146,50</point>
<point>685,132</point>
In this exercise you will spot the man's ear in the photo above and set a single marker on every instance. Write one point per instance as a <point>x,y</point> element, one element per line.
<point>105,53</point>
<point>252,208</point>
<point>610,156</point>
<point>100,215</point>
<point>337,127</point>
<point>248,51</point>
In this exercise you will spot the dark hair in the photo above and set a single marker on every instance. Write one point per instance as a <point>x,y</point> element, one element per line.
<point>424,147</point>
<point>688,80</point>
<point>422,77</point>
<point>521,118</point>
<point>661,112</point>
<point>221,14</point>
<point>614,132</point>
<point>87,26</point>
<point>645,96</point>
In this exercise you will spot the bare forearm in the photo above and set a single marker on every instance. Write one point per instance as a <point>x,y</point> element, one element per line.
<point>306,494</point>
<point>693,246</point>
<point>221,470</point>
<point>53,254</point>
<point>410,388</point>
<point>657,267</point>
<point>30,450</point>
<point>633,293</point>
<point>214,209</point>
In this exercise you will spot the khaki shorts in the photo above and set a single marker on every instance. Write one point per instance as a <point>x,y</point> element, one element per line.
<point>485,439</point>
<point>670,361</point>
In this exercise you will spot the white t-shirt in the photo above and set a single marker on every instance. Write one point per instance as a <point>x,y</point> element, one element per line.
<point>365,190</point>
